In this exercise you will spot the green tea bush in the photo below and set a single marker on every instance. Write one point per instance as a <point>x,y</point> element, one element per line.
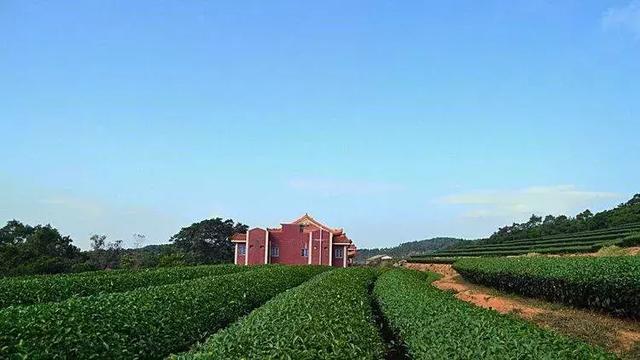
<point>540,250</point>
<point>329,317</point>
<point>582,242</point>
<point>433,324</point>
<point>610,284</point>
<point>147,323</point>
<point>51,288</point>
<point>631,240</point>
<point>431,260</point>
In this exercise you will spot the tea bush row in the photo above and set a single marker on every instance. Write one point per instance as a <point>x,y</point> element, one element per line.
<point>433,324</point>
<point>51,288</point>
<point>147,323</point>
<point>329,317</point>
<point>610,284</point>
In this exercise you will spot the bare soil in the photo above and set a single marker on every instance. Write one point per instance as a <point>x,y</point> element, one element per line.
<point>621,336</point>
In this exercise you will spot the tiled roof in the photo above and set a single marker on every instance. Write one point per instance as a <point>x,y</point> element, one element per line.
<point>239,236</point>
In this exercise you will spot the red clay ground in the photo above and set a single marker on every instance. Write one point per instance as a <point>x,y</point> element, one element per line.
<point>620,336</point>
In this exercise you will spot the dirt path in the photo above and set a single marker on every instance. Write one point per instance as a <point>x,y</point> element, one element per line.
<point>618,335</point>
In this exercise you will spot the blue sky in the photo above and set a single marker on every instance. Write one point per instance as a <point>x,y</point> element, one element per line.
<point>395,120</point>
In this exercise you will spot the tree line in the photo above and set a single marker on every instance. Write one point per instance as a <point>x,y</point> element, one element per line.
<point>41,249</point>
<point>537,226</point>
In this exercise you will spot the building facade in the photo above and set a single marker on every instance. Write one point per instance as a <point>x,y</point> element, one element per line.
<point>304,241</point>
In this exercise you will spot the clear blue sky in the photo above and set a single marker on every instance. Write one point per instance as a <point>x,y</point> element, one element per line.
<point>395,120</point>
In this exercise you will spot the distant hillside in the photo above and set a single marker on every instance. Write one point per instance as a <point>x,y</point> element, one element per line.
<point>584,233</point>
<point>537,226</point>
<point>403,250</point>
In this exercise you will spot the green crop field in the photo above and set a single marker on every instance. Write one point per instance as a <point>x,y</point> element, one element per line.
<point>582,242</point>
<point>610,284</point>
<point>50,288</point>
<point>147,322</point>
<point>435,325</point>
<point>329,317</point>
<point>272,312</point>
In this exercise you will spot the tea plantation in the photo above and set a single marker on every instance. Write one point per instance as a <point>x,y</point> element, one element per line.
<point>274,312</point>
<point>582,242</point>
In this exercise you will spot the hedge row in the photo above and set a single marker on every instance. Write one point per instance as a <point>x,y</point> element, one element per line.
<point>528,247</point>
<point>146,323</point>
<point>42,289</point>
<point>329,317</point>
<point>559,250</point>
<point>433,324</point>
<point>617,230</point>
<point>548,243</point>
<point>431,260</point>
<point>610,284</point>
<point>631,240</point>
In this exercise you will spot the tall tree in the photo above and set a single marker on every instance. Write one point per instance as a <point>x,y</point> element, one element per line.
<point>26,249</point>
<point>208,241</point>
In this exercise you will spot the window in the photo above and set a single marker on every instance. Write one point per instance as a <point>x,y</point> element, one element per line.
<point>305,252</point>
<point>242,249</point>
<point>338,253</point>
<point>275,251</point>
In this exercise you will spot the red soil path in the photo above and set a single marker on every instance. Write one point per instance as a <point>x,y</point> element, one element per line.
<point>624,334</point>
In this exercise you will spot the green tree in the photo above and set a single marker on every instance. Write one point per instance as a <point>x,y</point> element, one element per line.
<point>208,241</point>
<point>26,249</point>
<point>585,215</point>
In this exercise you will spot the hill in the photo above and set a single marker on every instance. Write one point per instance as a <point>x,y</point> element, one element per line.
<point>584,233</point>
<point>419,247</point>
<point>623,214</point>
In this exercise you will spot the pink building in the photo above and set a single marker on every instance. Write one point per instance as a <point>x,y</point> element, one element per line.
<point>304,241</point>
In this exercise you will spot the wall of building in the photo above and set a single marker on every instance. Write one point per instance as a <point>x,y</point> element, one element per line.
<point>290,241</point>
<point>256,246</point>
<point>338,262</point>
<point>320,247</point>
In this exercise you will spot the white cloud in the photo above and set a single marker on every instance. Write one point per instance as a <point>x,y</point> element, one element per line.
<point>332,187</point>
<point>625,17</point>
<point>515,204</point>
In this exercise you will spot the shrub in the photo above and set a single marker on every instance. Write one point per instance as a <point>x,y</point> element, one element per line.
<point>329,317</point>
<point>610,284</point>
<point>41,289</point>
<point>433,324</point>
<point>611,250</point>
<point>144,323</point>
<point>431,260</point>
<point>631,240</point>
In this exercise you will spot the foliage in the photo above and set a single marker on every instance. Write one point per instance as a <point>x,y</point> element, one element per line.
<point>144,323</point>
<point>31,250</point>
<point>104,255</point>
<point>208,241</point>
<point>612,250</point>
<point>631,240</point>
<point>431,260</point>
<point>433,324</point>
<point>625,213</point>
<point>26,249</point>
<point>329,317</point>
<point>589,241</point>
<point>41,289</point>
<point>409,248</point>
<point>610,284</point>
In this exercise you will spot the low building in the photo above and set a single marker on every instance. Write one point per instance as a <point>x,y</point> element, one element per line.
<point>377,259</point>
<point>303,241</point>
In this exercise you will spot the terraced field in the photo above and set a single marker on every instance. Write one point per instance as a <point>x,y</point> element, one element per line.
<point>583,242</point>
<point>292,312</point>
<point>609,284</point>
